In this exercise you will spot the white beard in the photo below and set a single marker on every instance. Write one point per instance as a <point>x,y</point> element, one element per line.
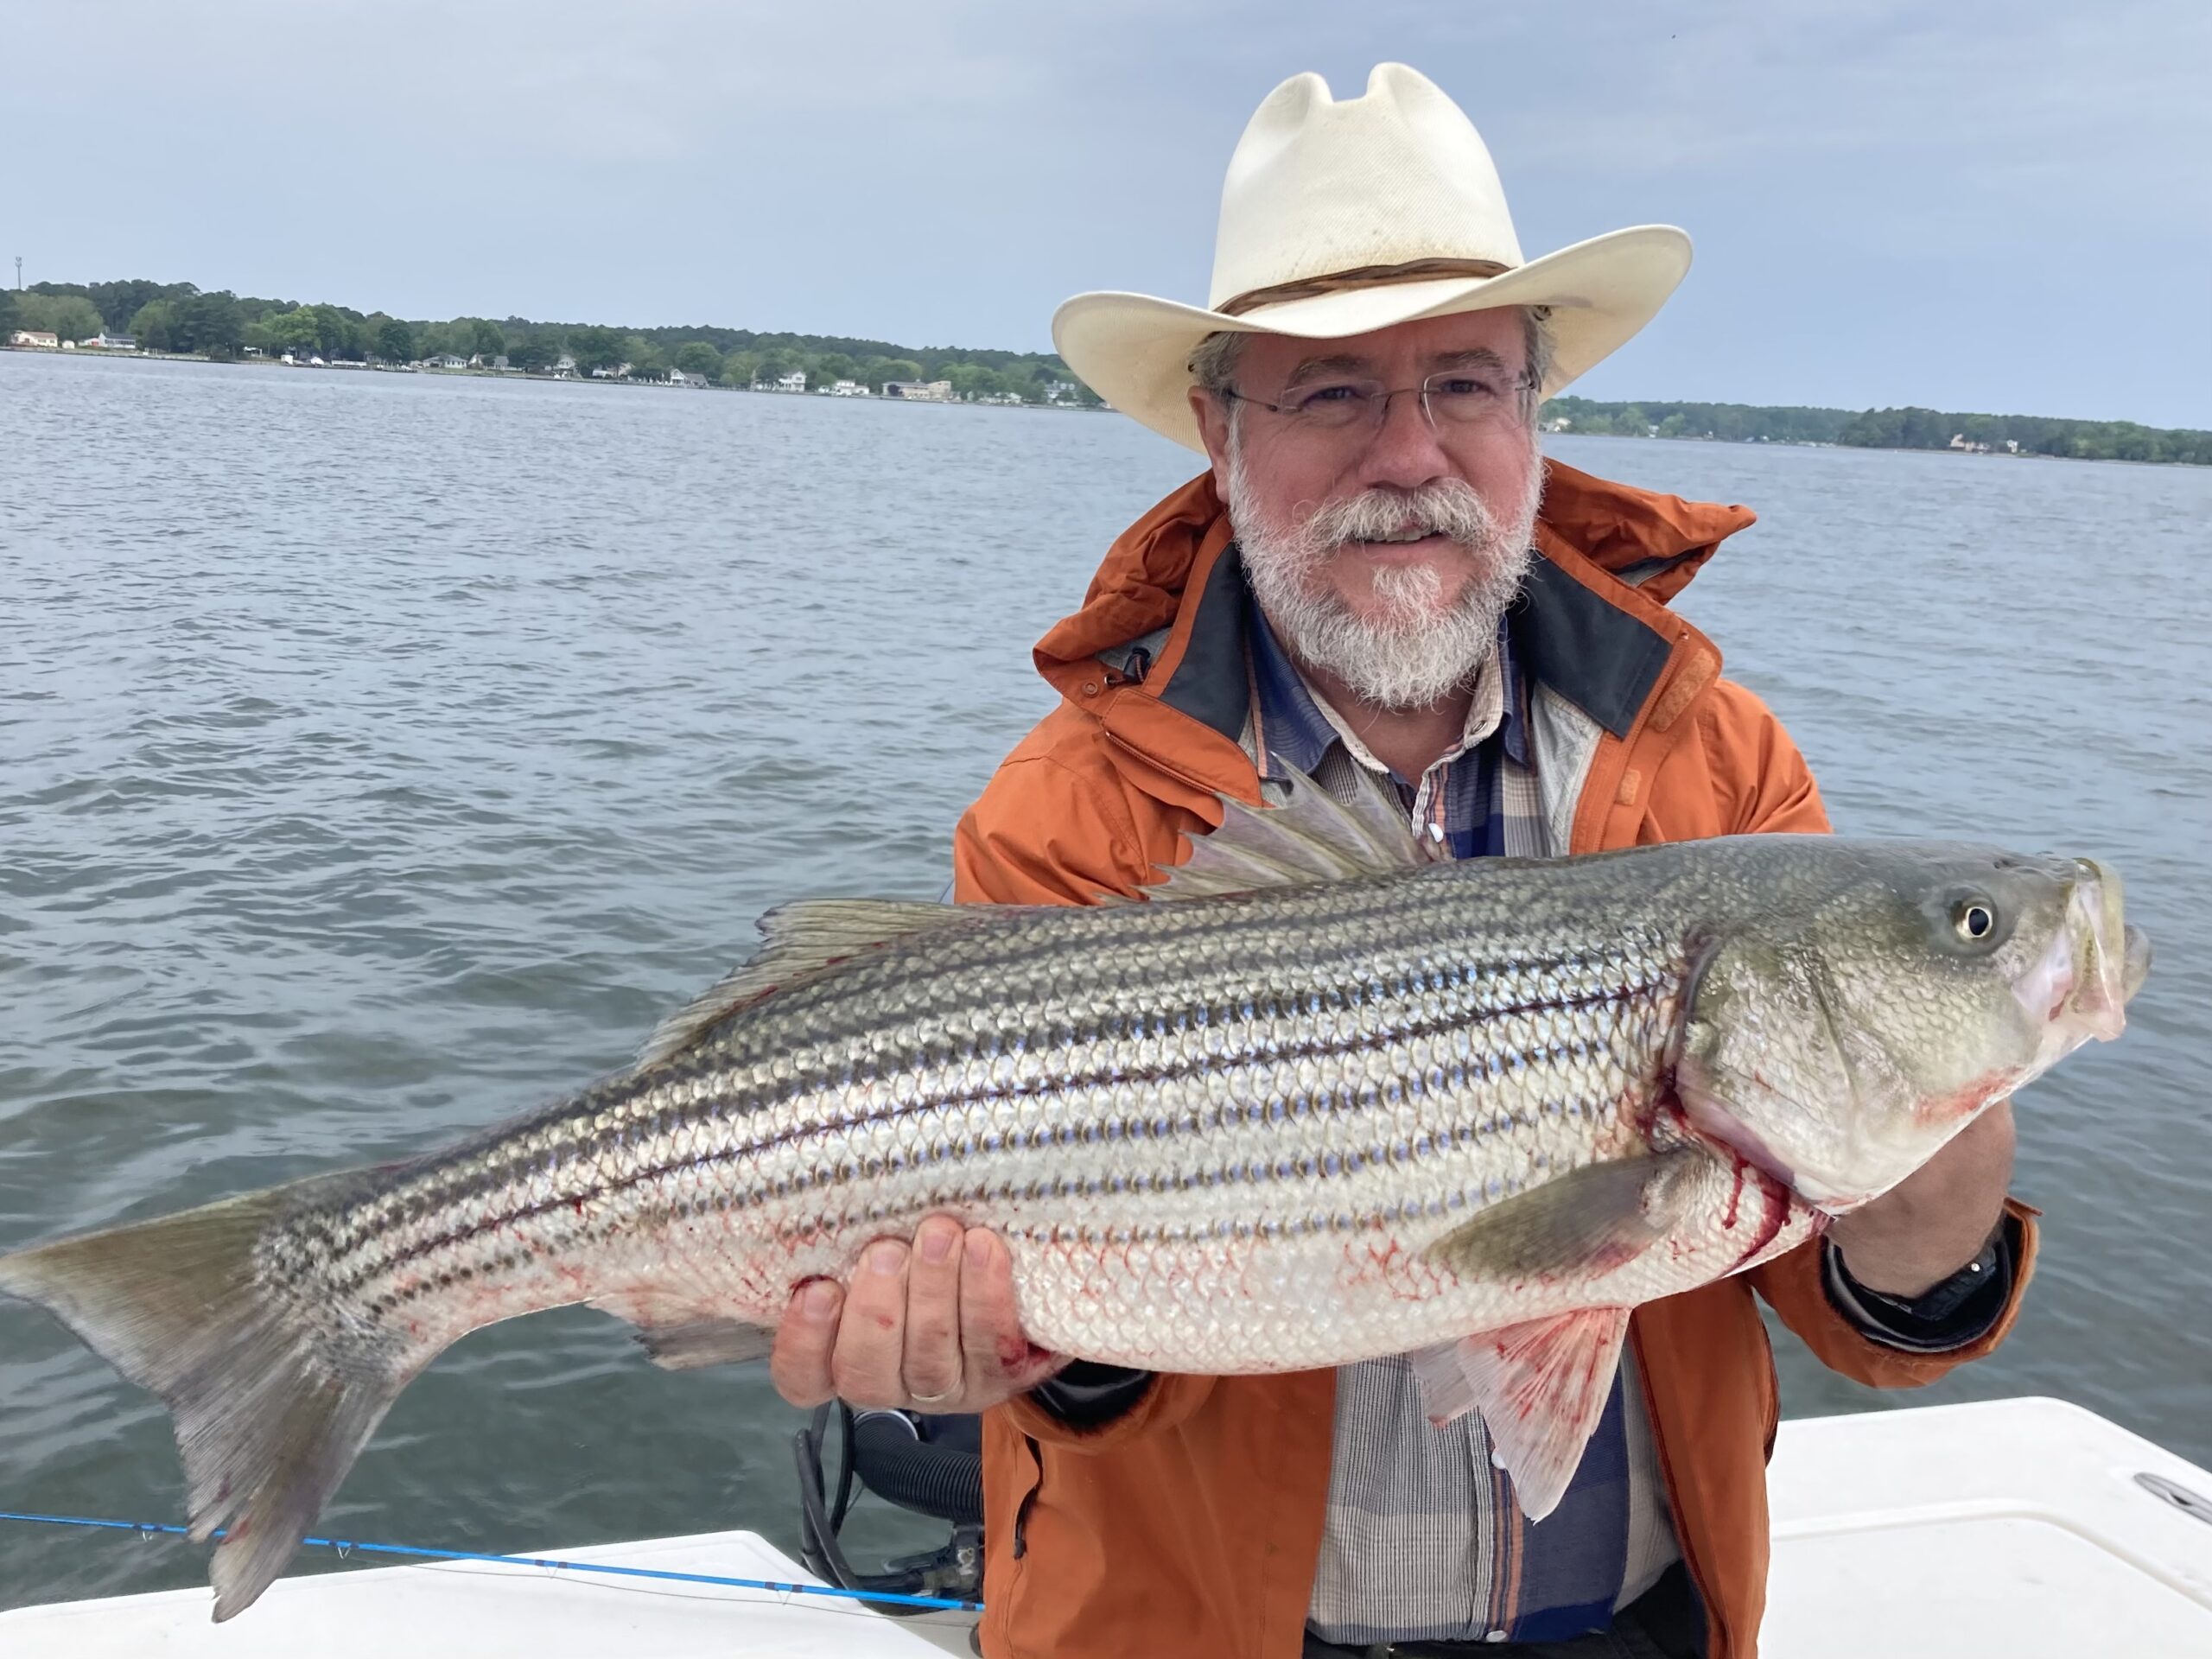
<point>1417,649</point>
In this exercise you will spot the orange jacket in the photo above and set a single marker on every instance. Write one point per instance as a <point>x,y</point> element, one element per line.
<point>1192,1524</point>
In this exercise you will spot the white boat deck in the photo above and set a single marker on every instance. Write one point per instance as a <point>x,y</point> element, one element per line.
<point>2016,1528</point>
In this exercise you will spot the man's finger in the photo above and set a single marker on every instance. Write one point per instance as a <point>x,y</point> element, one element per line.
<point>933,1369</point>
<point>799,1363</point>
<point>1001,1359</point>
<point>866,1363</point>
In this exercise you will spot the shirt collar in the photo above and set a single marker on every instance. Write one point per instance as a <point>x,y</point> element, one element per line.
<point>1297,729</point>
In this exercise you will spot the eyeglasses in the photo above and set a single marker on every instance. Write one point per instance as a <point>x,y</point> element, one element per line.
<point>1455,400</point>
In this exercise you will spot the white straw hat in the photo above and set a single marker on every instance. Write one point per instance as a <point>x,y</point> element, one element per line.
<point>1340,217</point>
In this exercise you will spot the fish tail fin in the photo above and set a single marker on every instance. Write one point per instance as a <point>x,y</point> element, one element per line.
<point>268,1417</point>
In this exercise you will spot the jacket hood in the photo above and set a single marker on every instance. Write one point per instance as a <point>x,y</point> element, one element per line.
<point>1652,543</point>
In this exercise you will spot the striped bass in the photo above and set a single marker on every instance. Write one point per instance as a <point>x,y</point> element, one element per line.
<point>1326,1099</point>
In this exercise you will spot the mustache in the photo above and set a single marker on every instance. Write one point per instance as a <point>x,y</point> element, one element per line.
<point>1446,507</point>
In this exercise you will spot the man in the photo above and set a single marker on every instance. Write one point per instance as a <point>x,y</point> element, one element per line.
<point>1378,571</point>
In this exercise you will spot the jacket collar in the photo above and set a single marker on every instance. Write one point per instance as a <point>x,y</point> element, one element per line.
<point>1159,639</point>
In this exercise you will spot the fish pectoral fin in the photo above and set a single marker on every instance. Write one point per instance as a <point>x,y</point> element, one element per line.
<point>1310,838</point>
<point>798,941</point>
<point>705,1342</point>
<point>1541,1388</point>
<point>1590,1220</point>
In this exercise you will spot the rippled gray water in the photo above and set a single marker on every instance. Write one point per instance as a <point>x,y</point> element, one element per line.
<point>379,755</point>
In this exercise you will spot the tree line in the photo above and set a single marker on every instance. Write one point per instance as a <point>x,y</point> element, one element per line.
<point>1884,428</point>
<point>179,317</point>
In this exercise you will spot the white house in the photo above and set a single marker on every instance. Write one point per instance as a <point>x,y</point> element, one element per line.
<point>919,391</point>
<point>795,381</point>
<point>564,367</point>
<point>845,388</point>
<point>38,337</point>
<point>106,342</point>
<point>678,377</point>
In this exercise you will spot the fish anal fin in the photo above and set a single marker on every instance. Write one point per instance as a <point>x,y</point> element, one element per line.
<point>1309,839</point>
<point>1591,1220</point>
<point>685,1328</point>
<point>1540,1387</point>
<point>799,942</point>
<point>702,1343</point>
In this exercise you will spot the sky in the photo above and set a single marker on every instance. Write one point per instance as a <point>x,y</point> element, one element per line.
<point>2000,208</point>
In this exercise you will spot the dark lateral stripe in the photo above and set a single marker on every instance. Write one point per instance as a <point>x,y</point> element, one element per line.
<point>592,1150</point>
<point>1494,1063</point>
<point>1400,1155</point>
<point>487,1168</point>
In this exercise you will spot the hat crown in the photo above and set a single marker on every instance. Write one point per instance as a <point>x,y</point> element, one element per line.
<point>1318,187</point>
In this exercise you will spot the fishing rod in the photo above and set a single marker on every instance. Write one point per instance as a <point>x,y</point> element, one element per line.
<point>345,1547</point>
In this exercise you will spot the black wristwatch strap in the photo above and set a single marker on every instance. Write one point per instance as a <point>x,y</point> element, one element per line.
<point>1949,1314</point>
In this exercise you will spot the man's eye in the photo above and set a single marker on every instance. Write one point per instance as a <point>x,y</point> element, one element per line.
<point>1463,386</point>
<point>1312,396</point>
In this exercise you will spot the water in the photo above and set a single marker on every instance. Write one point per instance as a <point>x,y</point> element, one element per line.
<point>379,755</point>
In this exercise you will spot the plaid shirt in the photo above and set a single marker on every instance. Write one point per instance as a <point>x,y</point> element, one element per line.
<point>1423,1540</point>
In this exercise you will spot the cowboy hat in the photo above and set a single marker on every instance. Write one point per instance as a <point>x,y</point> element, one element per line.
<point>1340,217</point>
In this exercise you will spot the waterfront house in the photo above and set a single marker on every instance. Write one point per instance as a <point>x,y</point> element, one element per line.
<point>795,381</point>
<point>919,391</point>
<point>564,367</point>
<point>105,342</point>
<point>678,377</point>
<point>444,360</point>
<point>845,388</point>
<point>38,337</point>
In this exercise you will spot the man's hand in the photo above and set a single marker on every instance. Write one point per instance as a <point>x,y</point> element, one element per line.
<point>1933,1222</point>
<point>930,1327</point>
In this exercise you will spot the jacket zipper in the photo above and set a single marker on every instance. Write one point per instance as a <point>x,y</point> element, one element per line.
<point>1722,1643</point>
<point>1028,1498</point>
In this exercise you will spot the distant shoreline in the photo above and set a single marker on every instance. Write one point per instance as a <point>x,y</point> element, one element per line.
<point>1563,414</point>
<point>345,366</point>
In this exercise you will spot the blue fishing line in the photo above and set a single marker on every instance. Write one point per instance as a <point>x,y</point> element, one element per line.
<point>344,1546</point>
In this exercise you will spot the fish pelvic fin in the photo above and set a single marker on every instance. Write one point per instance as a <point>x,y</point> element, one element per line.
<point>1590,1220</point>
<point>267,1419</point>
<point>1542,1388</point>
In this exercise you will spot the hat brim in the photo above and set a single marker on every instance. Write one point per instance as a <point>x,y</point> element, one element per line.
<point>1134,350</point>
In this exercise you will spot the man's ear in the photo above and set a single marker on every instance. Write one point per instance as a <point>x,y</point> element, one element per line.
<point>1212,415</point>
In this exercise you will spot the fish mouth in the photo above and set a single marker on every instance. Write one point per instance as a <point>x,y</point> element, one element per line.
<point>2094,966</point>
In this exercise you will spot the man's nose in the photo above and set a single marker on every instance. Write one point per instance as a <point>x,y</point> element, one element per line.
<point>1405,452</point>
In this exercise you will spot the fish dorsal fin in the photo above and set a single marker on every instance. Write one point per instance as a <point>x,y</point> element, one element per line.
<point>798,941</point>
<point>1310,838</point>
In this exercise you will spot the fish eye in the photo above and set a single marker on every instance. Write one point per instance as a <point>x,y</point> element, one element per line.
<point>1974,918</point>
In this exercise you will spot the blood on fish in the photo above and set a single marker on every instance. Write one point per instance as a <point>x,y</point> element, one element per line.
<point>1961,1101</point>
<point>1776,1213</point>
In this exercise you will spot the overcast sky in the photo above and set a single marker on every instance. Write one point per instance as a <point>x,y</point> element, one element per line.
<point>2002,206</point>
